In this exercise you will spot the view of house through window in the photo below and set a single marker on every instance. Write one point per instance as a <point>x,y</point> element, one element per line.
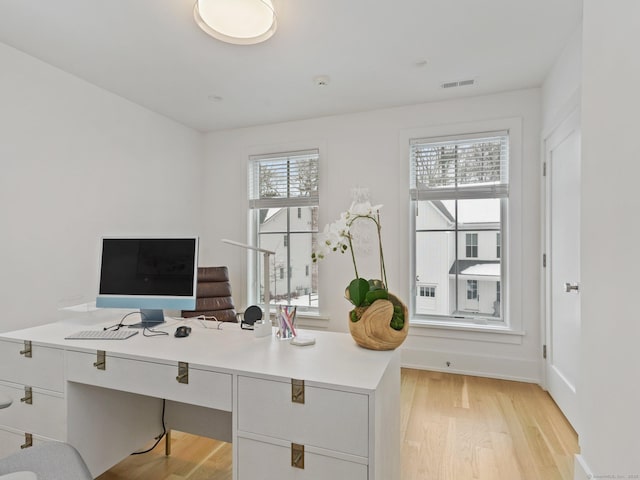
<point>459,196</point>
<point>283,206</point>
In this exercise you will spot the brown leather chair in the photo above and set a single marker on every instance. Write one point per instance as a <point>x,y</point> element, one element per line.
<point>213,295</point>
<point>213,299</point>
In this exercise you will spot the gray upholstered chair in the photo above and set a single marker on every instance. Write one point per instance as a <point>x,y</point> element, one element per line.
<point>46,461</point>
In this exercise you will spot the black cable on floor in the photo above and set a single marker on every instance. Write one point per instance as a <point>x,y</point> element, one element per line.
<point>164,432</point>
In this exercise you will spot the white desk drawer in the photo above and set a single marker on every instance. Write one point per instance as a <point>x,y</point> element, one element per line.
<point>11,441</point>
<point>205,388</point>
<point>45,415</point>
<point>44,369</point>
<point>265,461</point>
<point>329,419</point>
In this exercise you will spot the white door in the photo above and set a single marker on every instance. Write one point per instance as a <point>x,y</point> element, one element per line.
<point>562,149</point>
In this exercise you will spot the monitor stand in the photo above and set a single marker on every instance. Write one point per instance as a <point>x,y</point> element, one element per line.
<point>150,318</point>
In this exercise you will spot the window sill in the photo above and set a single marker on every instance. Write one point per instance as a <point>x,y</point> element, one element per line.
<point>465,331</point>
<point>312,321</point>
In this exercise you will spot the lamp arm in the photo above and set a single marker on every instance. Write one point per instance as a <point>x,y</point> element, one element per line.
<point>248,247</point>
<point>267,292</point>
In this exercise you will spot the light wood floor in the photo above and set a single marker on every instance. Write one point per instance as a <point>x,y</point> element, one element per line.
<point>454,427</point>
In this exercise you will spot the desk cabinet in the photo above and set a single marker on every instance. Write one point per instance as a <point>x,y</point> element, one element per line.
<point>32,376</point>
<point>331,424</point>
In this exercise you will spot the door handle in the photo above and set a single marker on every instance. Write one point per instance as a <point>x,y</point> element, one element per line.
<point>568,287</point>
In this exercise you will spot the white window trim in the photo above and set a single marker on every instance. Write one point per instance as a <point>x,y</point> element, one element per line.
<point>512,241</point>
<point>318,319</point>
<point>280,164</point>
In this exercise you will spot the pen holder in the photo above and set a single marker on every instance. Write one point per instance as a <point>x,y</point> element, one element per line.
<point>286,323</point>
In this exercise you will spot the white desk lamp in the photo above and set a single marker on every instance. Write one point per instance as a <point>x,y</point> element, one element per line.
<point>263,329</point>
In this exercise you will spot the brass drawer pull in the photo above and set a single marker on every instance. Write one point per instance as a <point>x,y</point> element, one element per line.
<point>297,391</point>
<point>297,455</point>
<point>27,352</point>
<point>28,396</point>
<point>101,360</point>
<point>183,372</point>
<point>28,441</point>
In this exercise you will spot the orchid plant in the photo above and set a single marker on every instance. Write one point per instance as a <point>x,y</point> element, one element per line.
<point>338,237</point>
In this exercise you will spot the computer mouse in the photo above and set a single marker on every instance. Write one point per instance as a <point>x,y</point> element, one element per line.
<point>182,331</point>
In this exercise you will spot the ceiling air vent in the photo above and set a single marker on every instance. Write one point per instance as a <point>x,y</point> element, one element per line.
<point>459,83</point>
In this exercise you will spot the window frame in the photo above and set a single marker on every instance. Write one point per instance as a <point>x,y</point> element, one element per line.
<point>471,248</point>
<point>504,324</point>
<point>430,291</point>
<point>289,204</point>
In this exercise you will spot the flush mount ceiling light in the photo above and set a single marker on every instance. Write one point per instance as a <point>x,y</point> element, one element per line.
<point>242,22</point>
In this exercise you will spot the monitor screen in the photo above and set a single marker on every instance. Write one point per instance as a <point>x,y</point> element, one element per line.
<point>152,274</point>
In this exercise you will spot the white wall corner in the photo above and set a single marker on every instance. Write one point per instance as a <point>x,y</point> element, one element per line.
<point>581,470</point>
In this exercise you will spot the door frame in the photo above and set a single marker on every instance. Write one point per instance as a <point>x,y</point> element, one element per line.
<point>563,128</point>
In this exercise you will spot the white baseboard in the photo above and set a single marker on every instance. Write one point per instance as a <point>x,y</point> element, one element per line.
<point>581,470</point>
<point>469,364</point>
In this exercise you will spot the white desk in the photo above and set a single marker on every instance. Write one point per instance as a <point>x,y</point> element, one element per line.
<point>239,390</point>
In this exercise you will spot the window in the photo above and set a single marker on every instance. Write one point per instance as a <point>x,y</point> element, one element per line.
<point>472,245</point>
<point>459,196</point>
<point>283,211</point>
<point>427,291</point>
<point>472,289</point>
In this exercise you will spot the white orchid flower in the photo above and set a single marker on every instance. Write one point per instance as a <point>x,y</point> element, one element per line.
<point>363,209</point>
<point>337,236</point>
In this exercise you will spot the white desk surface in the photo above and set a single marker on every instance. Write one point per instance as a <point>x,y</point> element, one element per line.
<point>334,359</point>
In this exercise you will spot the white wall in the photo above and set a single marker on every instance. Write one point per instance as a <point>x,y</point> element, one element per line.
<point>561,87</point>
<point>364,150</point>
<point>77,163</point>
<point>609,391</point>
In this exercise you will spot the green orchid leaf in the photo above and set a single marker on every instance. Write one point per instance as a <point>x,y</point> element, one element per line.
<point>375,284</point>
<point>373,295</point>
<point>358,289</point>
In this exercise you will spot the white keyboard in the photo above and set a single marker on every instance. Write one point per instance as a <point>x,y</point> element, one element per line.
<point>102,335</point>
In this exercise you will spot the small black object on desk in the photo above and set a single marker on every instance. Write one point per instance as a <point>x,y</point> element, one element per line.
<point>251,315</point>
<point>182,331</point>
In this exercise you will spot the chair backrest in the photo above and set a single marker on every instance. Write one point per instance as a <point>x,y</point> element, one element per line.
<point>213,295</point>
<point>47,461</point>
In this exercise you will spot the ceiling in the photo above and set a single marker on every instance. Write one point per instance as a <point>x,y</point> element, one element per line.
<point>376,53</point>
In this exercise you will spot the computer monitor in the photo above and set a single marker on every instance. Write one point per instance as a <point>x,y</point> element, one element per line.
<point>150,274</point>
